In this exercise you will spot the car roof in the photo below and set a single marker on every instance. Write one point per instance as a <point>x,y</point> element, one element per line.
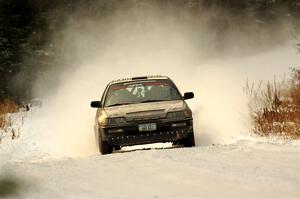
<point>133,79</point>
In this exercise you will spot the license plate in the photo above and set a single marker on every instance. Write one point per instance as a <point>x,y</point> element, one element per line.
<point>147,127</point>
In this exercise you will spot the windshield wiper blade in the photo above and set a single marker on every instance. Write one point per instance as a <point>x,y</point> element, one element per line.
<point>152,101</point>
<point>118,104</point>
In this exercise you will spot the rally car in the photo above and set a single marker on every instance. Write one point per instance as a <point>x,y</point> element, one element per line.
<point>142,110</point>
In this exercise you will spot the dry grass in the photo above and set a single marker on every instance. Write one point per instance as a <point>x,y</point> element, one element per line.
<point>275,109</point>
<point>8,106</point>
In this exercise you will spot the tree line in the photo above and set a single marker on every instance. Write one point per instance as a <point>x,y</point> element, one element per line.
<point>26,26</point>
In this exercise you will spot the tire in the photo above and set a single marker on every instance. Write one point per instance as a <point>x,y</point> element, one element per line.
<point>104,147</point>
<point>190,141</point>
<point>117,147</point>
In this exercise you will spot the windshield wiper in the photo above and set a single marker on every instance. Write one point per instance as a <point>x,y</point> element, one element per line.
<point>118,104</point>
<point>152,101</point>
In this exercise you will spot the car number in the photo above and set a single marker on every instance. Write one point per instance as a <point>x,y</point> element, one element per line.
<point>147,127</point>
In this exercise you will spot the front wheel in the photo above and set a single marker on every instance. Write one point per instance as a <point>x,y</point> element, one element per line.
<point>189,141</point>
<point>104,147</point>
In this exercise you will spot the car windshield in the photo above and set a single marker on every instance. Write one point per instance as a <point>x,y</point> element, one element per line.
<point>141,92</point>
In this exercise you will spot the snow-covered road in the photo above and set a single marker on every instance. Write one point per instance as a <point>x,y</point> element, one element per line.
<point>245,169</point>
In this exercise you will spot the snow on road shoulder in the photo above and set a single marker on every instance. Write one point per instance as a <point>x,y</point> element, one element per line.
<point>26,146</point>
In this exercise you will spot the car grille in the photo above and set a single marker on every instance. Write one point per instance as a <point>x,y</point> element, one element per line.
<point>145,115</point>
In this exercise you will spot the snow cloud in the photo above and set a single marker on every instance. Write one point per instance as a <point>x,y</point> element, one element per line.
<point>153,40</point>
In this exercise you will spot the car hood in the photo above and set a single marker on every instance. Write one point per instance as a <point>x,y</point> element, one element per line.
<point>151,110</point>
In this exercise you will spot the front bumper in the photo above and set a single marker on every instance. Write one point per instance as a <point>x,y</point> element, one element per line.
<point>164,133</point>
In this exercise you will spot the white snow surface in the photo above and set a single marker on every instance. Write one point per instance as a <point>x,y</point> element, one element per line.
<point>249,167</point>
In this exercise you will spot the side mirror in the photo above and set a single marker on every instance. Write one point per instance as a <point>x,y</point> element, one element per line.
<point>96,104</point>
<point>188,95</point>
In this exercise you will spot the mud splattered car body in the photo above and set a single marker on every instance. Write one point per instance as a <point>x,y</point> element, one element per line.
<point>142,110</point>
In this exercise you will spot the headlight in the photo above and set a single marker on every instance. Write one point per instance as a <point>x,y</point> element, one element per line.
<point>188,113</point>
<point>177,114</point>
<point>113,121</point>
